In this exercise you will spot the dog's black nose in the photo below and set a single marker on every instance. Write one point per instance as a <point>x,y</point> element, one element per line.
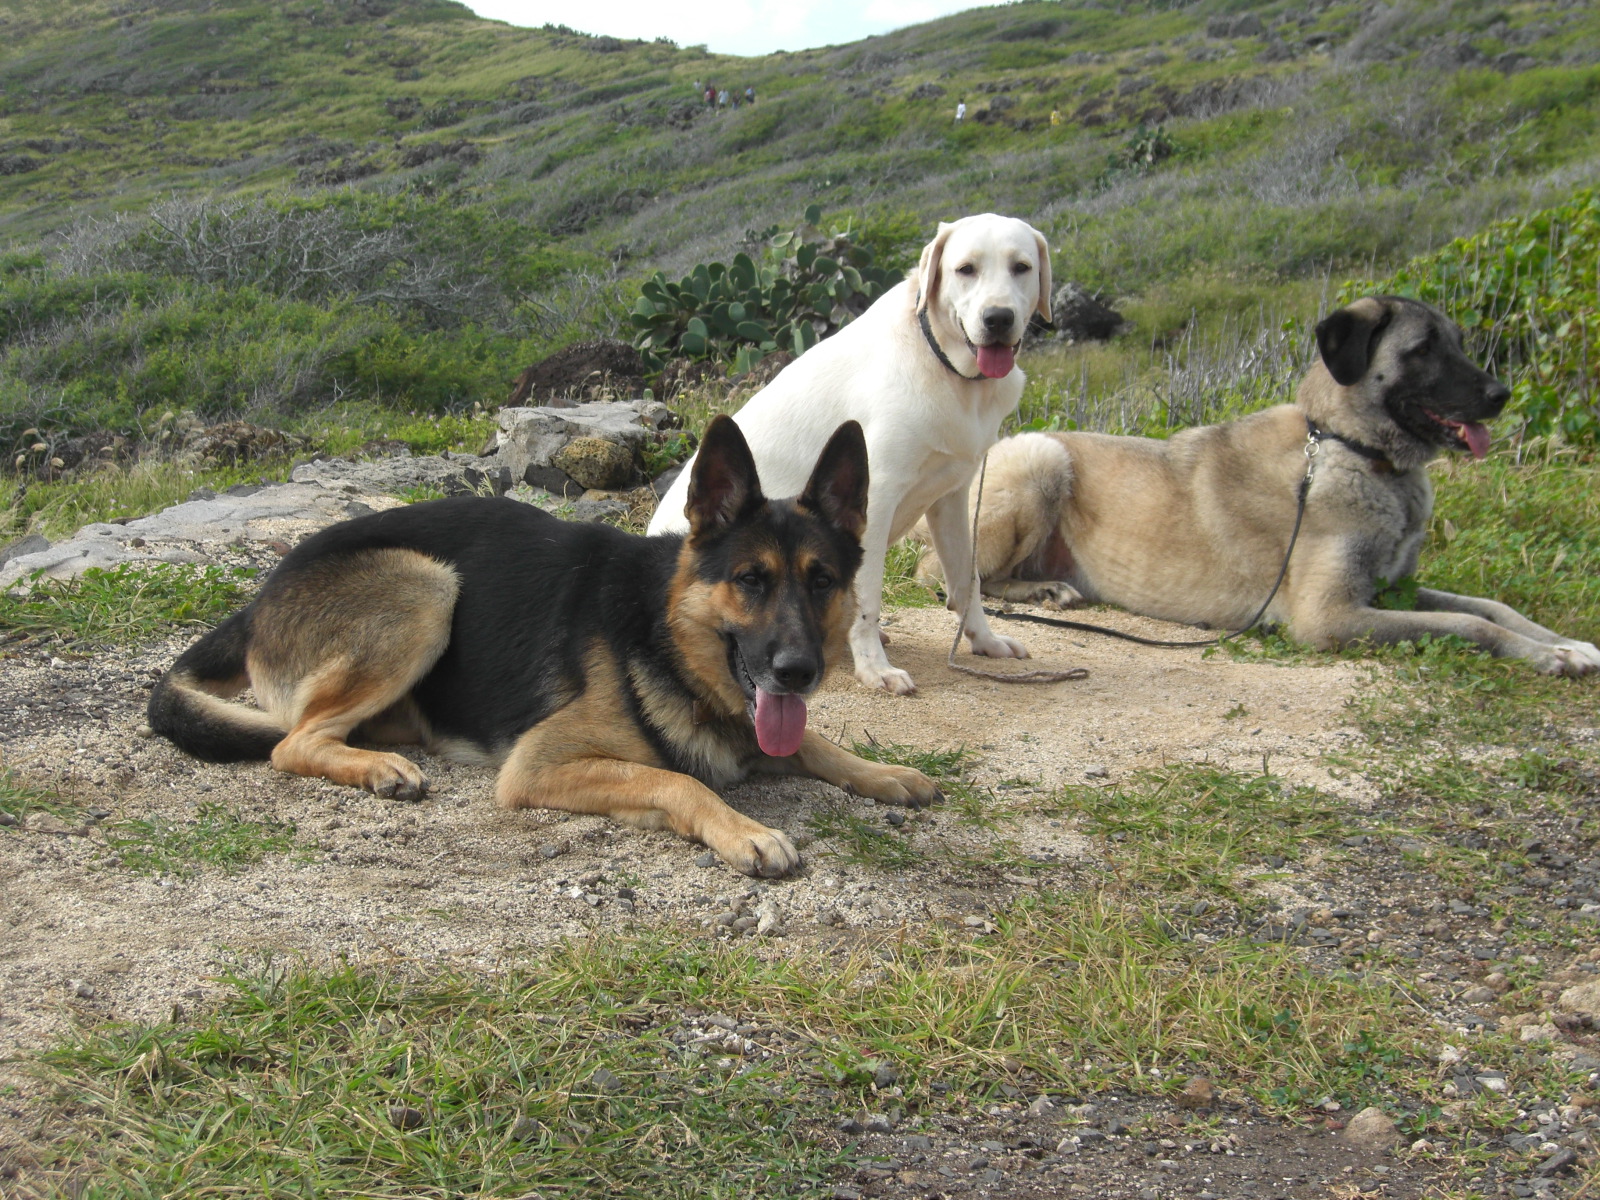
<point>1497,394</point>
<point>998,320</point>
<point>794,670</point>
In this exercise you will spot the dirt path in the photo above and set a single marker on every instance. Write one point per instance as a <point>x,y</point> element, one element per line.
<point>455,878</point>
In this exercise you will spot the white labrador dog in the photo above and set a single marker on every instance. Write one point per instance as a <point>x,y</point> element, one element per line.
<point>930,372</point>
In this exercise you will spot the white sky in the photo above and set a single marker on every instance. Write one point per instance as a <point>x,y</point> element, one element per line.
<point>745,27</point>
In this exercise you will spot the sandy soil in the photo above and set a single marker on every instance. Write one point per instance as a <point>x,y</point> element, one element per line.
<point>455,878</point>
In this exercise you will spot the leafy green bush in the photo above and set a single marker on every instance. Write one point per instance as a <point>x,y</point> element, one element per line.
<point>1525,292</point>
<point>810,285</point>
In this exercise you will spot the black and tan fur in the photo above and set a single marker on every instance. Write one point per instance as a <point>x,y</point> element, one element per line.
<point>603,672</point>
<point>1195,528</point>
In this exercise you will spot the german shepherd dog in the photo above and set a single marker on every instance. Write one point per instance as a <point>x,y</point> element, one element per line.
<point>603,672</point>
<point>1196,527</point>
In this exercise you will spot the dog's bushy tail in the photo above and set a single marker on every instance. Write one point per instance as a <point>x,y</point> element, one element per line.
<point>190,705</point>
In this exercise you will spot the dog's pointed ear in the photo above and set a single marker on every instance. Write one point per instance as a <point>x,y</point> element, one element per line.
<point>724,483</point>
<point>837,489</point>
<point>1046,285</point>
<point>928,267</point>
<point>1346,338</point>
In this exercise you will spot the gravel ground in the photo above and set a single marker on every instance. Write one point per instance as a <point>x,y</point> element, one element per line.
<point>83,937</point>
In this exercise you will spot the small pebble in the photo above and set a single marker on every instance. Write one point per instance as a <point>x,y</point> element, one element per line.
<point>1096,771</point>
<point>552,850</point>
<point>895,817</point>
<point>879,1123</point>
<point>708,859</point>
<point>403,1116</point>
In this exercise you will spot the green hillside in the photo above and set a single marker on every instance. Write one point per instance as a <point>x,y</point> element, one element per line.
<point>268,208</point>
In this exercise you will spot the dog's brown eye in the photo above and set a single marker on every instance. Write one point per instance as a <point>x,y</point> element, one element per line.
<point>821,581</point>
<point>1021,268</point>
<point>753,580</point>
<point>966,269</point>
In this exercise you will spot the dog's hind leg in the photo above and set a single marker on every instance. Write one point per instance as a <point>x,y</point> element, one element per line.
<point>343,644</point>
<point>649,798</point>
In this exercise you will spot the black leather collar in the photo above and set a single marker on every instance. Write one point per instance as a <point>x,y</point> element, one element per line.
<point>933,342</point>
<point>1367,452</point>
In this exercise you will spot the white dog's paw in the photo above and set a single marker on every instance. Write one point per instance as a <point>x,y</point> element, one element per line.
<point>994,646</point>
<point>891,679</point>
<point>1576,658</point>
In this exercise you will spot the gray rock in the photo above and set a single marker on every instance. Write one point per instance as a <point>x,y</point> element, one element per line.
<point>1563,1159</point>
<point>884,1075</point>
<point>606,1082</point>
<point>1583,999</point>
<point>708,859</point>
<point>32,544</point>
<point>1082,316</point>
<point>532,437</point>
<point>879,1123</point>
<point>457,475</point>
<point>1371,1129</point>
<point>212,524</point>
<point>1095,771</point>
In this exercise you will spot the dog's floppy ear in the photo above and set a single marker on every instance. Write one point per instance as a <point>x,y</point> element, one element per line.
<point>724,483</point>
<point>837,489</point>
<point>1346,338</point>
<point>928,267</point>
<point>1046,287</point>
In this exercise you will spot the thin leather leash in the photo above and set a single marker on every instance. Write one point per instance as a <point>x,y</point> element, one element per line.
<point>1313,446</point>
<point>961,625</point>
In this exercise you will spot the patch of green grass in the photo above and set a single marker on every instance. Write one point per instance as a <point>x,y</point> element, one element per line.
<point>857,840</point>
<point>61,508</point>
<point>1189,828</point>
<point>561,1073</point>
<point>19,798</point>
<point>129,602</point>
<point>216,836</point>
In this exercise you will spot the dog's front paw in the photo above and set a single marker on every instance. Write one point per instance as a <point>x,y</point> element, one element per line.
<point>395,777</point>
<point>891,679</point>
<point>995,646</point>
<point>890,784</point>
<point>756,850</point>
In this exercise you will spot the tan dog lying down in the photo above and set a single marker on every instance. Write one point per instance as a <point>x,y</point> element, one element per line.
<point>1195,528</point>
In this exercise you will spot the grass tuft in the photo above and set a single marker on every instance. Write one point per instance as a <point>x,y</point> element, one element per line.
<point>129,602</point>
<point>215,836</point>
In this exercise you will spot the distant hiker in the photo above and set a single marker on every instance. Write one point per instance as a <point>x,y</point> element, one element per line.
<point>711,96</point>
<point>961,109</point>
<point>1055,117</point>
<point>722,98</point>
<point>749,95</point>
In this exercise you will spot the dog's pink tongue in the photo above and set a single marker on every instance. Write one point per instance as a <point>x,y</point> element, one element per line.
<point>1476,436</point>
<point>780,722</point>
<point>996,361</point>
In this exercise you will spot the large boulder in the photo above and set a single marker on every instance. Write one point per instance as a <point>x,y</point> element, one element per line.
<point>530,439</point>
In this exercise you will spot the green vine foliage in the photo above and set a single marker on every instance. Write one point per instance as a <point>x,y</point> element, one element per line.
<point>808,284</point>
<point>1524,290</point>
